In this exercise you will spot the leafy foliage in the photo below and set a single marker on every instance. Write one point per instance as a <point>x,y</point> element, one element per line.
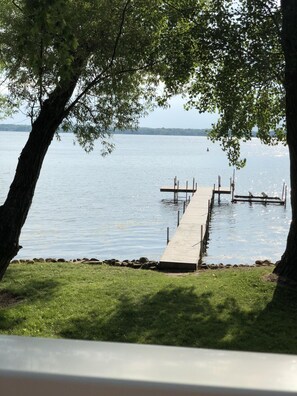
<point>236,69</point>
<point>110,47</point>
<point>224,55</point>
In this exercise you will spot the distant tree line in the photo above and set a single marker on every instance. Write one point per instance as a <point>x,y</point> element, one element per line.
<point>139,131</point>
<point>15,128</point>
<point>165,131</point>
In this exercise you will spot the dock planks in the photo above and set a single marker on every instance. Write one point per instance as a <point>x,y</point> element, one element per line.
<point>183,251</point>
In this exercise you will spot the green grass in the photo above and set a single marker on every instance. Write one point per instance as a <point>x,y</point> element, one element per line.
<point>227,309</point>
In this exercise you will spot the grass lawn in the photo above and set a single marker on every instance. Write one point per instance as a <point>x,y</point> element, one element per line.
<point>227,309</point>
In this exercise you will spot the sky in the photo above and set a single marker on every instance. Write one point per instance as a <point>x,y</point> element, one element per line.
<point>173,117</point>
<point>177,117</point>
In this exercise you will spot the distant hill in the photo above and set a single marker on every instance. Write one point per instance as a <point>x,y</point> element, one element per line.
<point>15,128</point>
<point>140,131</point>
<point>165,131</point>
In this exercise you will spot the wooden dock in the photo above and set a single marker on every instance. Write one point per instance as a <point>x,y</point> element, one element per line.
<point>185,249</point>
<point>176,188</point>
<point>263,199</point>
<point>190,190</point>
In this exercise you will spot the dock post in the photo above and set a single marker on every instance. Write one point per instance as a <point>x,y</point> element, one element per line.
<point>188,201</point>
<point>167,235</point>
<point>231,186</point>
<point>207,221</point>
<point>174,188</point>
<point>184,207</point>
<point>231,189</point>
<point>286,190</point>
<point>178,218</point>
<point>201,241</point>
<point>219,187</point>
<point>177,191</point>
<point>283,191</point>
<point>193,185</point>
<point>196,186</point>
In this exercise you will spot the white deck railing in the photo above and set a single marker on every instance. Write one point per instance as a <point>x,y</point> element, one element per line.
<point>43,367</point>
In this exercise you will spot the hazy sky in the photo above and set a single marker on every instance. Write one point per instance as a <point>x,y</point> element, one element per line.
<point>177,117</point>
<point>173,117</point>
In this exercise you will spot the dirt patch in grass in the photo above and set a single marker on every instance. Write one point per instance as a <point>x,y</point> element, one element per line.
<point>178,273</point>
<point>8,299</point>
<point>270,278</point>
<point>281,281</point>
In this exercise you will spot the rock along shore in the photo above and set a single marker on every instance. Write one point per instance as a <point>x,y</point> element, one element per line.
<point>141,263</point>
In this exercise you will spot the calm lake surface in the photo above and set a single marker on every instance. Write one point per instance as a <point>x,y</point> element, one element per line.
<point>89,206</point>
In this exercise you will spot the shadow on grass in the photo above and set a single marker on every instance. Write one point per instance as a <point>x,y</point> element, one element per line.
<point>275,327</point>
<point>180,317</point>
<point>33,289</point>
<point>29,291</point>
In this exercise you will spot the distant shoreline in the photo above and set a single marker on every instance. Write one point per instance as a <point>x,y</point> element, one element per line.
<point>139,131</point>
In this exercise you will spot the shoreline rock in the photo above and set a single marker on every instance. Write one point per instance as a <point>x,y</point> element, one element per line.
<point>141,263</point>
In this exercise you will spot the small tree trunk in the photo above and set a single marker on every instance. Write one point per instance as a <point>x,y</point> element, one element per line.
<point>287,266</point>
<point>14,211</point>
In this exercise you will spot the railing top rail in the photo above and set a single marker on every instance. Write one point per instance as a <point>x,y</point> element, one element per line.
<point>35,366</point>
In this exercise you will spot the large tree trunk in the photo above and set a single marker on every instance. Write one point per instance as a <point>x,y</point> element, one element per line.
<point>14,211</point>
<point>287,266</point>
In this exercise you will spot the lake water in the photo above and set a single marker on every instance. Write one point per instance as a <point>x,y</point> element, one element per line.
<point>89,206</point>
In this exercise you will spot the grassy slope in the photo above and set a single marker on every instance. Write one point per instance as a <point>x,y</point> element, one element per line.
<point>227,309</point>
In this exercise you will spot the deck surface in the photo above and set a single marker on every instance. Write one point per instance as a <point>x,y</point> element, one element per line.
<point>183,250</point>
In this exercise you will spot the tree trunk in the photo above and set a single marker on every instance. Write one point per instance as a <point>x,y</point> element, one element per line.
<point>287,266</point>
<point>14,211</point>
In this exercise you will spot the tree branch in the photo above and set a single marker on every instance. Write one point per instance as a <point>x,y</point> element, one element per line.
<point>102,77</point>
<point>40,82</point>
<point>17,6</point>
<point>120,31</point>
<point>90,111</point>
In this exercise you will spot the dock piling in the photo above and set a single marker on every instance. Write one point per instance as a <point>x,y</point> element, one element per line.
<point>175,193</point>
<point>283,191</point>
<point>219,189</point>
<point>201,242</point>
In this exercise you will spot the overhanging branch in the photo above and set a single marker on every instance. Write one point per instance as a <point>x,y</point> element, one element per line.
<point>102,77</point>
